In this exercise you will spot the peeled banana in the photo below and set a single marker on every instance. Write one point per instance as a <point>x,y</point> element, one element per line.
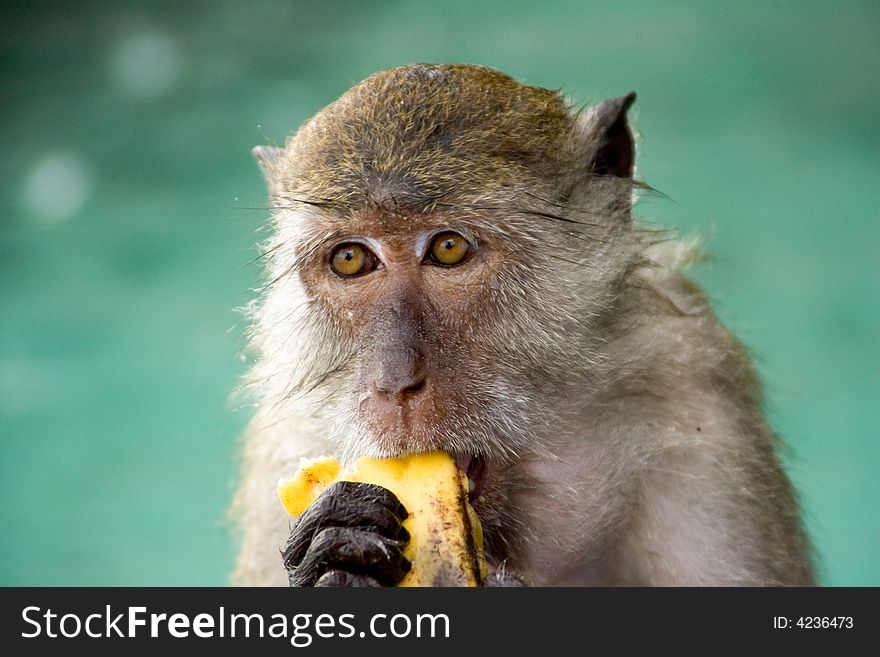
<point>446,540</point>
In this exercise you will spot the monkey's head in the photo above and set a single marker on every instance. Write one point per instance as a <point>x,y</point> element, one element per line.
<point>446,243</point>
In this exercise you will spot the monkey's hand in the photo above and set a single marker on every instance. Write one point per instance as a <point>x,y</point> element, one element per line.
<point>350,536</point>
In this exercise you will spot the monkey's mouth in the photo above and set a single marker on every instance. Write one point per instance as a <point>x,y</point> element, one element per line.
<point>474,466</point>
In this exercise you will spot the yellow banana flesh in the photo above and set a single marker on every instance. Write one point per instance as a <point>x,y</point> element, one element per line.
<point>446,540</point>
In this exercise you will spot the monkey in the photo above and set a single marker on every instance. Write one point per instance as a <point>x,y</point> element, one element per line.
<point>455,265</point>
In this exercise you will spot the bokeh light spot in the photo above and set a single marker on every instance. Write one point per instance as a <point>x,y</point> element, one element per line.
<point>57,187</point>
<point>146,64</point>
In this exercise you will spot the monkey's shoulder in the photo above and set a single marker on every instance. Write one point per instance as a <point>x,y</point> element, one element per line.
<point>668,336</point>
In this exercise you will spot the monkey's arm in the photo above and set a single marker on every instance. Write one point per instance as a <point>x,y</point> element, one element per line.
<point>714,510</point>
<point>710,501</point>
<point>648,502</point>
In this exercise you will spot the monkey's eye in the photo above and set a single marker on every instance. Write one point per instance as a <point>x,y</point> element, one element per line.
<point>349,260</point>
<point>449,249</point>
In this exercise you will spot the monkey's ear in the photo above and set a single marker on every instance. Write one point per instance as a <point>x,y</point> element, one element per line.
<point>613,151</point>
<point>267,157</point>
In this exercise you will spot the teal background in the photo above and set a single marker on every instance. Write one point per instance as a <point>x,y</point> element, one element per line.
<point>130,207</point>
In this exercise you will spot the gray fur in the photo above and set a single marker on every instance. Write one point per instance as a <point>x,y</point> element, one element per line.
<point>623,423</point>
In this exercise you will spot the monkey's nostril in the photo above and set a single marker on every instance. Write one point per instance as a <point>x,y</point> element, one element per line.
<point>414,388</point>
<point>402,386</point>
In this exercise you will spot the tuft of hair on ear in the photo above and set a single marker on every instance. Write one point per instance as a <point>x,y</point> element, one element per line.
<point>267,158</point>
<point>614,150</point>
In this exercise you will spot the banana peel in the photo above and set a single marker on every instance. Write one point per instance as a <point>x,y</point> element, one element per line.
<point>446,540</point>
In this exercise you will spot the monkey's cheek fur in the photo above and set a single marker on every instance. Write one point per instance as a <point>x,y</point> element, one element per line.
<point>445,547</point>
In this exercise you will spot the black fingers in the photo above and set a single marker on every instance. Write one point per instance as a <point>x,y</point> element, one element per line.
<point>369,494</point>
<point>355,551</point>
<point>351,536</point>
<point>347,504</point>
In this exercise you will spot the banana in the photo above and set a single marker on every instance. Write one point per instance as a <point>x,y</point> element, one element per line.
<point>446,540</point>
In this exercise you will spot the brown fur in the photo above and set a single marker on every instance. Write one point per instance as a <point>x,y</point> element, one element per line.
<point>621,422</point>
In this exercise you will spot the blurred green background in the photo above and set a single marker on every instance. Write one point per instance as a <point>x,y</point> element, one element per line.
<point>131,205</point>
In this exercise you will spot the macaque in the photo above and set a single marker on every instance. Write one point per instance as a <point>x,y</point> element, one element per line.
<point>455,266</point>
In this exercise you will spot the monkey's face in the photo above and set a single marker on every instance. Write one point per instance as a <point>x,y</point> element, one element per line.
<point>430,342</point>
